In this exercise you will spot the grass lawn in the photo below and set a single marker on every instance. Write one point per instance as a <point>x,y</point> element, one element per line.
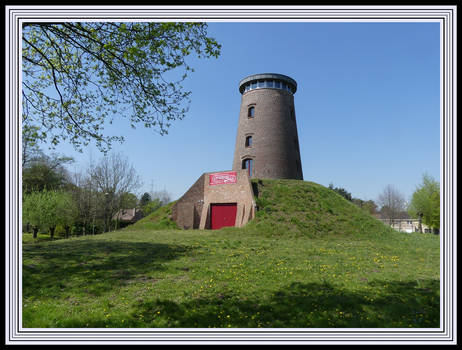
<point>256,276</point>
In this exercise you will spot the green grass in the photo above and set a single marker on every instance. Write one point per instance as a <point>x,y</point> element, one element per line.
<point>281,270</point>
<point>159,220</point>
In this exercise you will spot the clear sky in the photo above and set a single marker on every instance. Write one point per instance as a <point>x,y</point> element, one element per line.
<point>367,106</point>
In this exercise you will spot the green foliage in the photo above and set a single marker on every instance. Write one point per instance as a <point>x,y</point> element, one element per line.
<point>32,204</point>
<point>151,207</point>
<point>45,173</point>
<point>128,200</point>
<point>145,199</point>
<point>341,191</point>
<point>425,202</point>
<point>48,209</point>
<point>159,218</point>
<point>369,206</point>
<point>78,77</point>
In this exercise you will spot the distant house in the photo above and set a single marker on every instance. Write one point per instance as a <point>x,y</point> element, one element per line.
<point>407,225</point>
<point>127,216</point>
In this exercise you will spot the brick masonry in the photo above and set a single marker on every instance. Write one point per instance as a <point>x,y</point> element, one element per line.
<point>274,151</point>
<point>275,146</point>
<point>192,210</point>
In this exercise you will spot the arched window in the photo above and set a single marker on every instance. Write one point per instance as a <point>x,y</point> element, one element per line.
<point>247,164</point>
<point>251,112</point>
<point>248,141</point>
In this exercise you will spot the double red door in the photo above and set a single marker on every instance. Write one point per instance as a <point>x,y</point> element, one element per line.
<point>222,214</point>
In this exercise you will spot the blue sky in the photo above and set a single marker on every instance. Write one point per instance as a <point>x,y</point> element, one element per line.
<point>367,106</point>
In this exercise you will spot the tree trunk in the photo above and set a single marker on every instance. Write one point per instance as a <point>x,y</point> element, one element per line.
<point>52,232</point>
<point>35,231</point>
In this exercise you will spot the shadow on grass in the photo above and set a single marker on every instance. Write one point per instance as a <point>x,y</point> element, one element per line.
<point>400,304</point>
<point>90,266</point>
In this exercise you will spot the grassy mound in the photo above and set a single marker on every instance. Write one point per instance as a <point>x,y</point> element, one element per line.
<point>310,259</point>
<point>161,219</point>
<point>294,207</point>
<point>291,207</point>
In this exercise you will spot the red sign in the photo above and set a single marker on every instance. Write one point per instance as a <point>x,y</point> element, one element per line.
<point>229,177</point>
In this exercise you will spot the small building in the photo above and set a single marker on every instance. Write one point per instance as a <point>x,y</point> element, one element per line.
<point>407,225</point>
<point>216,200</point>
<point>126,217</point>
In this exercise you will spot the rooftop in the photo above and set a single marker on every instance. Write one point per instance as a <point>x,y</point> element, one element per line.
<point>268,76</point>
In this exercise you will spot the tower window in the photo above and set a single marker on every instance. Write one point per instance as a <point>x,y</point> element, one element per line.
<point>251,112</point>
<point>247,164</point>
<point>248,141</point>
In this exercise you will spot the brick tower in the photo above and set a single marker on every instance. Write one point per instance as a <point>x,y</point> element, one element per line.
<point>267,140</point>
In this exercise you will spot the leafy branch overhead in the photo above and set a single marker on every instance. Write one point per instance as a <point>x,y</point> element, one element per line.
<point>78,77</point>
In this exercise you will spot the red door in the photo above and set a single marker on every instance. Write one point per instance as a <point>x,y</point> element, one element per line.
<point>223,214</point>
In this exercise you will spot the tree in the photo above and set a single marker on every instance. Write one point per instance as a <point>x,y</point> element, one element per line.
<point>39,177</point>
<point>162,196</point>
<point>341,191</point>
<point>369,205</point>
<point>145,199</point>
<point>112,177</point>
<point>425,202</point>
<point>392,203</point>
<point>31,211</point>
<point>44,172</point>
<point>84,194</point>
<point>128,200</point>
<point>159,199</point>
<point>47,209</point>
<point>78,77</point>
<point>152,206</point>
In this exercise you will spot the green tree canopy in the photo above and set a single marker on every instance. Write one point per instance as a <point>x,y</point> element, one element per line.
<point>145,199</point>
<point>341,191</point>
<point>151,207</point>
<point>45,172</point>
<point>128,200</point>
<point>425,202</point>
<point>78,77</point>
<point>47,209</point>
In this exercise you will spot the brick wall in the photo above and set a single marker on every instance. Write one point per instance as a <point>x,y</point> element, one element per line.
<point>186,211</point>
<point>192,210</point>
<point>275,146</point>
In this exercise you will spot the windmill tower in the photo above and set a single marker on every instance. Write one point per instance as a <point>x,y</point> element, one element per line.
<point>267,139</point>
